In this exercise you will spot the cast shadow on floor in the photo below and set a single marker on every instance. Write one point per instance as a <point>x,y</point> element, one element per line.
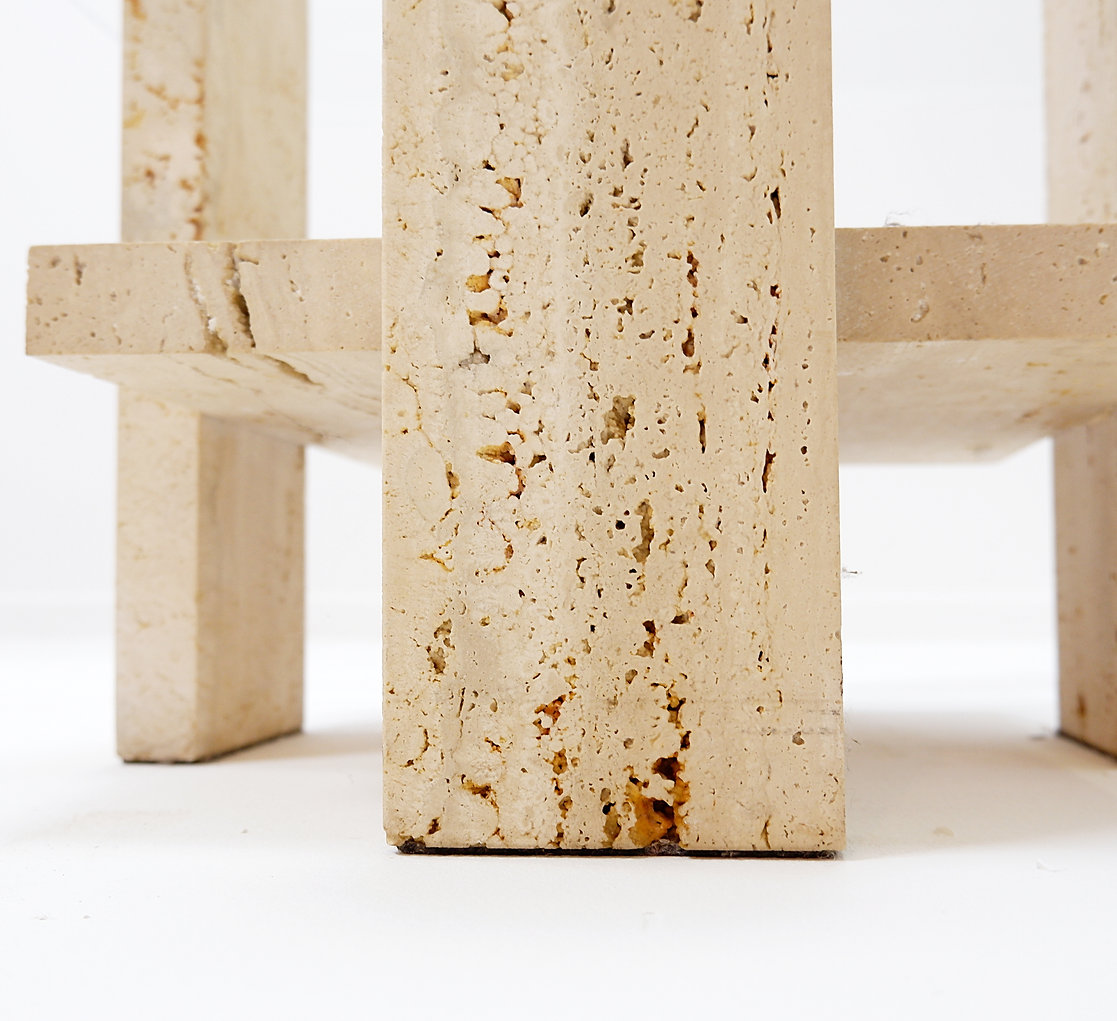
<point>916,781</point>
<point>318,743</point>
<point>919,781</point>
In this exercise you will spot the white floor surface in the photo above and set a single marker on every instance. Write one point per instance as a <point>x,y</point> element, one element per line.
<point>979,881</point>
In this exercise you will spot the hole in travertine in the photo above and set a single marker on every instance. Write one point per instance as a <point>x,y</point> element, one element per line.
<point>475,357</point>
<point>775,197</point>
<point>619,419</point>
<point>626,155</point>
<point>477,317</point>
<point>482,790</point>
<point>502,453</point>
<point>512,185</point>
<point>702,429</point>
<point>647,533</point>
<point>769,457</point>
<point>667,767</point>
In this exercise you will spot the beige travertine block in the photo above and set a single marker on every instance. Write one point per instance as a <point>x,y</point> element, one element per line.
<point>1082,185</point>
<point>971,342</point>
<point>214,141</point>
<point>611,559</point>
<point>208,516</point>
<point>279,335</point>
<point>953,342</point>
<point>1086,515</point>
<point>213,146</point>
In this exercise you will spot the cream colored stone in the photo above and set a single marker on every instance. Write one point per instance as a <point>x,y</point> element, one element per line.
<point>960,343</point>
<point>1082,185</point>
<point>209,514</point>
<point>611,563</point>
<point>953,342</point>
<point>279,335</point>
<point>213,146</point>
<point>214,113</point>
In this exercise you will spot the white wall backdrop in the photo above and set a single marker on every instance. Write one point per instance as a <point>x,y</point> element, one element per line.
<point>938,120</point>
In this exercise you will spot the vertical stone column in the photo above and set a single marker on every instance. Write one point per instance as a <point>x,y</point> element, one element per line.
<point>611,568</point>
<point>1081,51</point>
<point>210,515</point>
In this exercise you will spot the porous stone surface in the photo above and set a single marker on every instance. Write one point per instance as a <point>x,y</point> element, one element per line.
<point>953,342</point>
<point>283,336</point>
<point>1081,92</point>
<point>967,343</point>
<point>214,119</point>
<point>210,599</point>
<point>210,516</point>
<point>611,557</point>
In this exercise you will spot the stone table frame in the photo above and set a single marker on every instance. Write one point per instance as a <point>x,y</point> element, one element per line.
<point>601,200</point>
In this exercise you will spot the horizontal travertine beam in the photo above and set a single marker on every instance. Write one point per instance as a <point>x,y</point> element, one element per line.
<point>954,342</point>
<point>281,334</point>
<point>958,343</point>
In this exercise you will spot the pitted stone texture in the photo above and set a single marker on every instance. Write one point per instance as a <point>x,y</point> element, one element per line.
<point>283,336</point>
<point>210,516</point>
<point>967,343</point>
<point>1082,186</point>
<point>214,139</point>
<point>209,647</point>
<point>611,565</point>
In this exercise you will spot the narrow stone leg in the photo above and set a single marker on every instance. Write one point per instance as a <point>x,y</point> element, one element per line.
<point>611,570</point>
<point>1082,188</point>
<point>210,557</point>
<point>1086,512</point>
<point>210,597</point>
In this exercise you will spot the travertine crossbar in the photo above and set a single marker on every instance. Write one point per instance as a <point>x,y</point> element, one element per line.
<point>954,342</point>
<point>284,335</point>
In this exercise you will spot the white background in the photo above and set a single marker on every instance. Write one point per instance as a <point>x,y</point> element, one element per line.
<point>978,872</point>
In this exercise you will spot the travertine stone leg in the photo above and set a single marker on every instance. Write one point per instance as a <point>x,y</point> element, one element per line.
<point>611,561</point>
<point>1082,188</point>
<point>210,558</point>
<point>1086,511</point>
<point>210,598</point>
